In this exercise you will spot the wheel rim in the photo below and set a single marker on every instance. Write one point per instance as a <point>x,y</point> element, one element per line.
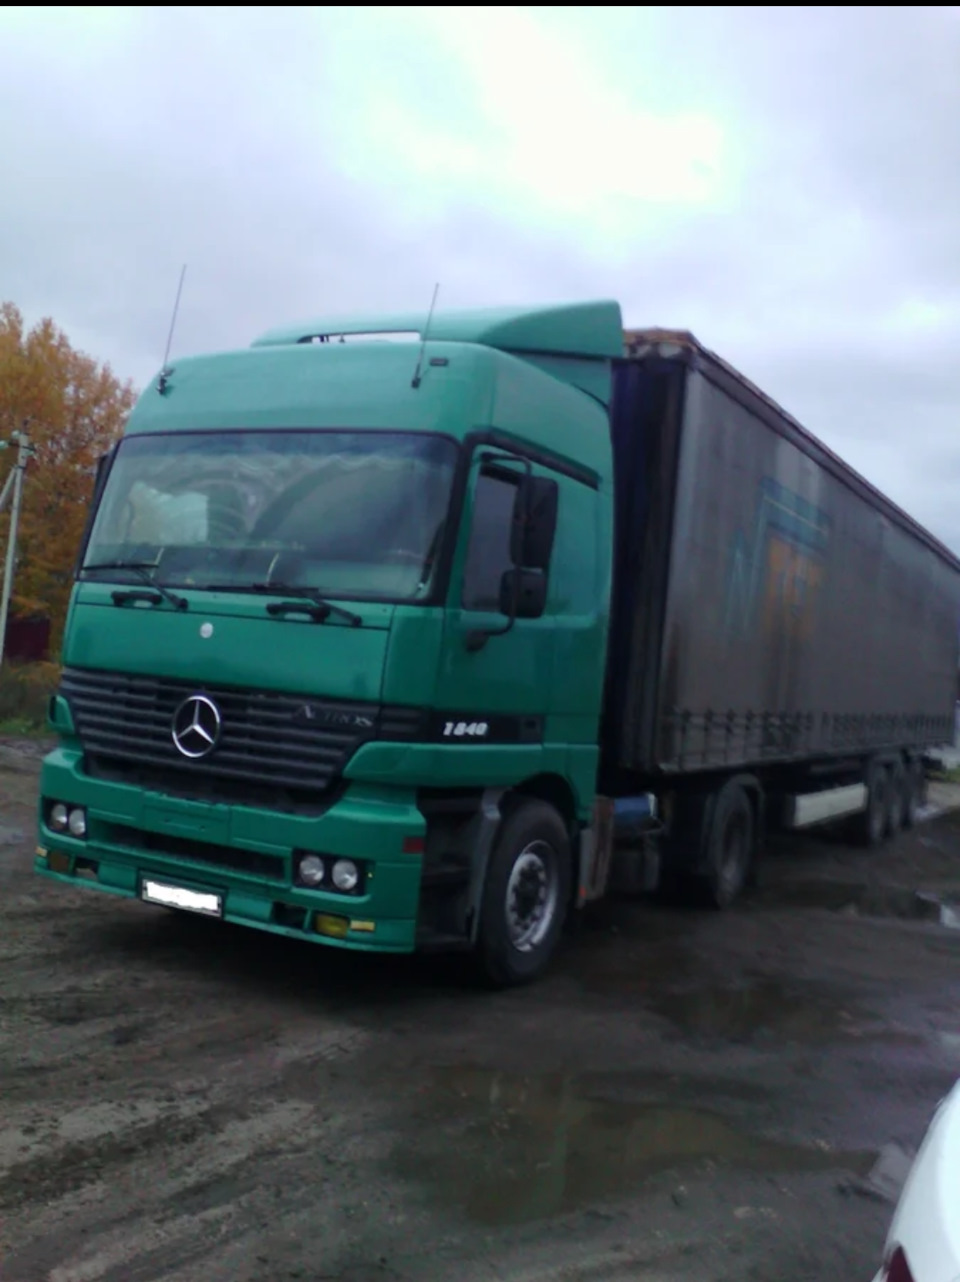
<point>736,852</point>
<point>532,895</point>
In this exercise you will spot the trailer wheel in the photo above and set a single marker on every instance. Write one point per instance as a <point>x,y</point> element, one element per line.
<point>526,895</point>
<point>869,828</point>
<point>730,845</point>
<point>896,798</point>
<point>914,793</point>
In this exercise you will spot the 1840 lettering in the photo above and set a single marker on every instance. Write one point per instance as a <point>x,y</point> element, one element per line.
<point>465,729</point>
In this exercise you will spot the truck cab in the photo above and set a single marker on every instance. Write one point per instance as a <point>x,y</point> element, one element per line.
<point>334,660</point>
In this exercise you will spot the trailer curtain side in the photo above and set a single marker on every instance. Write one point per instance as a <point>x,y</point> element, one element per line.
<point>769,605</point>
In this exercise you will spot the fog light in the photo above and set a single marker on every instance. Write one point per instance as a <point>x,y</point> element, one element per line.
<point>58,816</point>
<point>310,870</point>
<point>335,927</point>
<point>346,875</point>
<point>77,822</point>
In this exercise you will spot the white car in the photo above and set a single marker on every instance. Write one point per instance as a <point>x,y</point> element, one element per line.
<point>923,1244</point>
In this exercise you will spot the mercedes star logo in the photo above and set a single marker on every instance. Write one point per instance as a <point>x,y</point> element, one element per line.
<point>196,726</point>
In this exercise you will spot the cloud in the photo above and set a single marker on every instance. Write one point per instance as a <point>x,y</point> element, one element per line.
<point>547,137</point>
<point>781,180</point>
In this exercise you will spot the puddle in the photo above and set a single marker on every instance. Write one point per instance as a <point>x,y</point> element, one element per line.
<point>626,947</point>
<point>765,1010</point>
<point>857,900</point>
<point>628,968</point>
<point>508,1149</point>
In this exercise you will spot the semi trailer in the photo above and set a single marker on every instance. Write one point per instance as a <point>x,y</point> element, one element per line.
<point>395,635</point>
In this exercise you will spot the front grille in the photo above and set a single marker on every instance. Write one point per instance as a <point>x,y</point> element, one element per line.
<point>192,785</point>
<point>269,742</point>
<point>253,862</point>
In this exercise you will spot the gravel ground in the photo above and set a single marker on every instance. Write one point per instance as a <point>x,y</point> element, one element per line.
<point>686,1096</point>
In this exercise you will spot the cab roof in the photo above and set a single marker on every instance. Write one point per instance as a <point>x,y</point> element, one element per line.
<point>574,329</point>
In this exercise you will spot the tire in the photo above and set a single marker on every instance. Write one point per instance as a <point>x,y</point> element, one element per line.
<point>914,793</point>
<point>869,828</point>
<point>730,846</point>
<point>526,895</point>
<point>896,798</point>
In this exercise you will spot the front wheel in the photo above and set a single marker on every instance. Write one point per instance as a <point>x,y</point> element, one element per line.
<point>526,895</point>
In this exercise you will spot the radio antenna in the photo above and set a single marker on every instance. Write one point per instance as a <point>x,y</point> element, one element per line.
<point>417,378</point>
<point>165,370</point>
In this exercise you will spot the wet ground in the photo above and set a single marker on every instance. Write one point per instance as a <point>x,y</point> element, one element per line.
<point>686,1098</point>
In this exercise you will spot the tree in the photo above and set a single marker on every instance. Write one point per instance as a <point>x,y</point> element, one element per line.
<point>73,409</point>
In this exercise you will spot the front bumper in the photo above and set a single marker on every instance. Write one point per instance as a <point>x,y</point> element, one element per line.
<point>243,854</point>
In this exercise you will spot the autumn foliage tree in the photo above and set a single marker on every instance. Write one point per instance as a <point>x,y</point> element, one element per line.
<point>73,409</point>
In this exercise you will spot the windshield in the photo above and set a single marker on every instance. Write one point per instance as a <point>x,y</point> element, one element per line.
<point>354,514</point>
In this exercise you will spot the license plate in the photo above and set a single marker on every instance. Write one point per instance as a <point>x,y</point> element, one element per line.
<point>192,901</point>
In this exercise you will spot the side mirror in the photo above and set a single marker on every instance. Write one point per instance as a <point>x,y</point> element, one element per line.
<point>534,523</point>
<point>523,594</point>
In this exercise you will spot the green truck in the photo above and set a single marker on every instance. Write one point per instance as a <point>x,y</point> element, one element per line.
<point>396,635</point>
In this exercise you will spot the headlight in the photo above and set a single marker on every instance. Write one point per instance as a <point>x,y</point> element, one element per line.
<point>345,875</point>
<point>310,870</point>
<point>77,823</point>
<point>58,816</point>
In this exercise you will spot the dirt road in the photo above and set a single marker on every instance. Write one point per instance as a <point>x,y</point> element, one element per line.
<point>686,1097</point>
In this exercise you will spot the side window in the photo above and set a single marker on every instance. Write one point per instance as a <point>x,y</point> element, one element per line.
<point>488,552</point>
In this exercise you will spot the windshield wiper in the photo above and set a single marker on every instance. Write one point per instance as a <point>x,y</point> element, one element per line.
<point>143,568</point>
<point>324,608</point>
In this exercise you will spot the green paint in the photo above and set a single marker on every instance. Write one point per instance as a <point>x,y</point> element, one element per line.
<point>540,380</point>
<point>581,329</point>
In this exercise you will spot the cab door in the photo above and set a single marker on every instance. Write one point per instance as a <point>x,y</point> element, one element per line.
<point>497,667</point>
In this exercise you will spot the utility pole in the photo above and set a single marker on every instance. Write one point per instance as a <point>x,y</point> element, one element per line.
<point>13,485</point>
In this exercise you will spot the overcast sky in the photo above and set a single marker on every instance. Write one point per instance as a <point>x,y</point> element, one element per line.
<point>785,182</point>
